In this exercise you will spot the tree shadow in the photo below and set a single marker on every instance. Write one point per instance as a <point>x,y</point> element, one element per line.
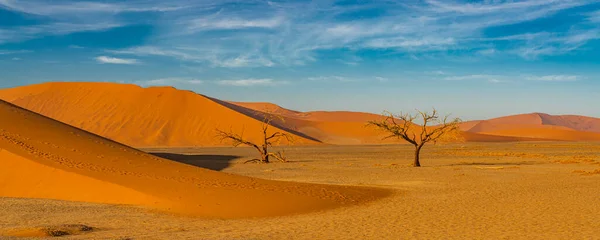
<point>213,162</point>
<point>494,163</point>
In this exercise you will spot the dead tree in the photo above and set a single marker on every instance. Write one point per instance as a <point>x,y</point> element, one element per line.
<point>403,126</point>
<point>268,138</point>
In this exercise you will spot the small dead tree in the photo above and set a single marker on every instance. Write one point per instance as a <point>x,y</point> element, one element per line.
<point>267,140</point>
<point>403,126</point>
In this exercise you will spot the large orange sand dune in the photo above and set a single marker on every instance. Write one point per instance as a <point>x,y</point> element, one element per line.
<point>44,158</point>
<point>136,116</point>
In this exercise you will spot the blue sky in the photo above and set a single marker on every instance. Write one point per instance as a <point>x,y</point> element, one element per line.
<point>475,59</point>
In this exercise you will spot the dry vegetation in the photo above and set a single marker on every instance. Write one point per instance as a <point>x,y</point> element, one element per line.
<point>494,191</point>
<point>403,126</point>
<point>268,139</point>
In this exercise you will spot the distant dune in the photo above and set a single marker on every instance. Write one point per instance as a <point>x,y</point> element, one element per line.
<point>336,127</point>
<point>536,120</point>
<point>167,117</point>
<point>539,126</point>
<point>44,158</point>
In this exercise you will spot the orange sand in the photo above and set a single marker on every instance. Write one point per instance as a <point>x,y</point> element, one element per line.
<point>44,158</point>
<point>141,117</point>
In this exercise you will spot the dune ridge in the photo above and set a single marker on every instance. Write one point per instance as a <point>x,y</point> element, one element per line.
<point>44,158</point>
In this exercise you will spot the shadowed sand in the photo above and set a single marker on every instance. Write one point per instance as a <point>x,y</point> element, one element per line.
<point>44,158</point>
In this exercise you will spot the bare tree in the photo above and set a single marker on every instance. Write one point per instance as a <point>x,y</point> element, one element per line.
<point>403,126</point>
<point>268,138</point>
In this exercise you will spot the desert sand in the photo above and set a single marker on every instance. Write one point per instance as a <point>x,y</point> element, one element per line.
<point>43,158</point>
<point>168,117</point>
<point>66,170</point>
<point>528,190</point>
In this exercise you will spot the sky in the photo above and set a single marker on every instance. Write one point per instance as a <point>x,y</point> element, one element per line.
<point>473,59</point>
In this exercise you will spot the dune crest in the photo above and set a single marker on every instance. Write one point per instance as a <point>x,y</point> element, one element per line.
<point>44,158</point>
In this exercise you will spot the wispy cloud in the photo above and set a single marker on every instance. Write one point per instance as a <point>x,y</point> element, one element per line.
<point>169,82</point>
<point>437,72</point>
<point>213,57</point>
<point>471,77</point>
<point>503,78</point>
<point>46,8</point>
<point>113,60</point>
<point>382,79</point>
<point>266,34</point>
<point>250,82</point>
<point>8,52</point>
<point>554,78</point>
<point>331,79</point>
<point>229,23</point>
<point>487,52</point>
<point>50,29</point>
<point>594,16</point>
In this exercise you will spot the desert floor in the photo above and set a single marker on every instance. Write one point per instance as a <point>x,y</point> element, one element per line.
<point>464,191</point>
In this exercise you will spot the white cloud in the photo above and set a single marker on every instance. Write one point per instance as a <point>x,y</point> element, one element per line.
<point>411,44</point>
<point>554,78</point>
<point>52,29</point>
<point>16,59</point>
<point>511,78</point>
<point>212,23</point>
<point>169,82</point>
<point>487,52</point>
<point>7,52</point>
<point>331,79</point>
<point>113,60</point>
<point>46,8</point>
<point>214,57</point>
<point>382,79</point>
<point>438,72</point>
<point>594,17</point>
<point>250,82</point>
<point>471,77</point>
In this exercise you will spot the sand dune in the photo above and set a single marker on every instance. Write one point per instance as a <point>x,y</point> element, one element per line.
<point>167,117</point>
<point>318,116</point>
<point>553,134</point>
<point>538,126</point>
<point>480,137</point>
<point>336,127</point>
<point>536,120</point>
<point>44,158</point>
<point>136,116</point>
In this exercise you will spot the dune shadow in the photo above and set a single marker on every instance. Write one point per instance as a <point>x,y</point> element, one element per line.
<point>494,163</point>
<point>213,162</point>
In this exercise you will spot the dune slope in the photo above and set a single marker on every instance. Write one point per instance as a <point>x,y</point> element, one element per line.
<point>136,116</point>
<point>44,158</point>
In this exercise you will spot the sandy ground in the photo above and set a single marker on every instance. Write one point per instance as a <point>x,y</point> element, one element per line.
<point>527,190</point>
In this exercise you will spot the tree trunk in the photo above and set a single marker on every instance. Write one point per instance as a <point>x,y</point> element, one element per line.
<point>417,163</point>
<point>265,155</point>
